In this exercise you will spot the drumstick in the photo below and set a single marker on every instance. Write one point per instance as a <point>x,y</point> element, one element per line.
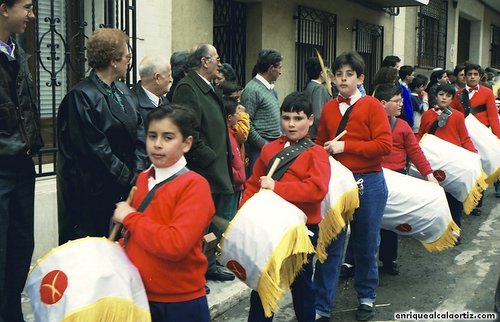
<point>338,137</point>
<point>117,226</point>
<point>275,165</point>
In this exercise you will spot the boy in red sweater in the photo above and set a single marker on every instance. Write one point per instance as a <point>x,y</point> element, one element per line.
<point>477,99</point>
<point>361,150</point>
<point>164,240</point>
<point>452,129</point>
<point>304,183</point>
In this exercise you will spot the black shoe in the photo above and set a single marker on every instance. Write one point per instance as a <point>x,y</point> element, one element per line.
<point>391,268</point>
<point>346,271</point>
<point>207,289</point>
<point>323,319</point>
<point>476,212</point>
<point>365,312</point>
<point>219,275</point>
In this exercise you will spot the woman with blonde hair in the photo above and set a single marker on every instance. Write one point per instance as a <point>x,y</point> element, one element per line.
<point>100,139</point>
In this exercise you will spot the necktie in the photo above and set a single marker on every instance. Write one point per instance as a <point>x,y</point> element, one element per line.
<point>341,99</point>
<point>162,100</point>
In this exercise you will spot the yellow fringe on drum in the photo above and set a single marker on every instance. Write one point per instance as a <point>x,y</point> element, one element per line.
<point>109,310</point>
<point>475,194</point>
<point>335,220</point>
<point>447,240</point>
<point>284,264</point>
<point>493,177</point>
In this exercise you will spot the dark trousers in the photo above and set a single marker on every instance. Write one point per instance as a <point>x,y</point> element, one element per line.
<point>456,209</point>
<point>17,193</point>
<point>388,249</point>
<point>187,311</point>
<point>302,288</point>
<point>221,208</point>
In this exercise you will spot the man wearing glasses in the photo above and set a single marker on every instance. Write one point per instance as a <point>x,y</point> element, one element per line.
<point>210,154</point>
<point>20,138</point>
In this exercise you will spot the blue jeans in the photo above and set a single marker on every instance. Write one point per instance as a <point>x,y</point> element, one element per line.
<point>302,290</point>
<point>365,239</point>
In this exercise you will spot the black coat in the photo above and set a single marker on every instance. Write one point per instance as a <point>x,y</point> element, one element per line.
<point>210,154</point>
<point>101,149</point>
<point>19,115</point>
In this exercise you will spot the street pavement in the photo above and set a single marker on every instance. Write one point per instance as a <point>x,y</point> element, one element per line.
<point>461,279</point>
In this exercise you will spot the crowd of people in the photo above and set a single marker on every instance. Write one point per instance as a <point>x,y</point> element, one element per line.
<point>197,144</point>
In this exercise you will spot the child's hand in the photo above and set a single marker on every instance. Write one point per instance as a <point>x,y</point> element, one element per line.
<point>266,182</point>
<point>121,211</point>
<point>430,177</point>
<point>334,147</point>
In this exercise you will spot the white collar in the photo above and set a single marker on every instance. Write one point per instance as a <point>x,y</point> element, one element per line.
<point>264,81</point>
<point>165,173</point>
<point>206,80</point>
<point>152,97</point>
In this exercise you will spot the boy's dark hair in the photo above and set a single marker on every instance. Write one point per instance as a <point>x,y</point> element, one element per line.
<point>229,88</point>
<point>390,61</point>
<point>385,75</point>
<point>470,67</point>
<point>228,71</point>
<point>384,92</point>
<point>447,88</point>
<point>267,58</point>
<point>458,69</point>
<point>313,68</point>
<point>296,102</point>
<point>405,70</point>
<point>181,116</point>
<point>8,3</point>
<point>230,105</point>
<point>418,81</point>
<point>351,58</point>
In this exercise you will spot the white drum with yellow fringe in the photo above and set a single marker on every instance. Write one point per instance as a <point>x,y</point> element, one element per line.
<point>458,170</point>
<point>266,245</point>
<point>88,279</point>
<point>337,207</point>
<point>487,145</point>
<point>418,208</point>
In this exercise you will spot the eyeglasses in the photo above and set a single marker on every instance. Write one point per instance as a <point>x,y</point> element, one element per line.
<point>128,57</point>
<point>210,57</point>
<point>398,101</point>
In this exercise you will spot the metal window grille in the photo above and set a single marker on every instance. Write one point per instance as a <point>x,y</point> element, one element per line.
<point>431,34</point>
<point>230,34</point>
<point>315,29</point>
<point>61,30</point>
<point>495,46</point>
<point>369,44</point>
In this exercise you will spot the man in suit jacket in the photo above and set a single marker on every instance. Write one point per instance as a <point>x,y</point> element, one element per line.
<point>156,79</point>
<point>210,154</point>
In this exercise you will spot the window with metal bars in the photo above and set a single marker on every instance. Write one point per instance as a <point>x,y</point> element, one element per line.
<point>431,34</point>
<point>315,29</point>
<point>495,46</point>
<point>369,44</point>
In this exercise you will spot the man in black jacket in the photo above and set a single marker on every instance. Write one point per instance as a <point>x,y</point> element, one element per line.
<point>20,138</point>
<point>210,154</point>
<point>155,82</point>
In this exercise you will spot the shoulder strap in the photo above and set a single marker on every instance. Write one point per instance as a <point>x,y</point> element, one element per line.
<point>441,120</point>
<point>288,155</point>
<point>464,99</point>
<point>145,202</point>
<point>478,109</point>
<point>345,118</point>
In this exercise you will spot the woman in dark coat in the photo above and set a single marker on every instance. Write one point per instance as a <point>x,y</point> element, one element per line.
<point>100,139</point>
